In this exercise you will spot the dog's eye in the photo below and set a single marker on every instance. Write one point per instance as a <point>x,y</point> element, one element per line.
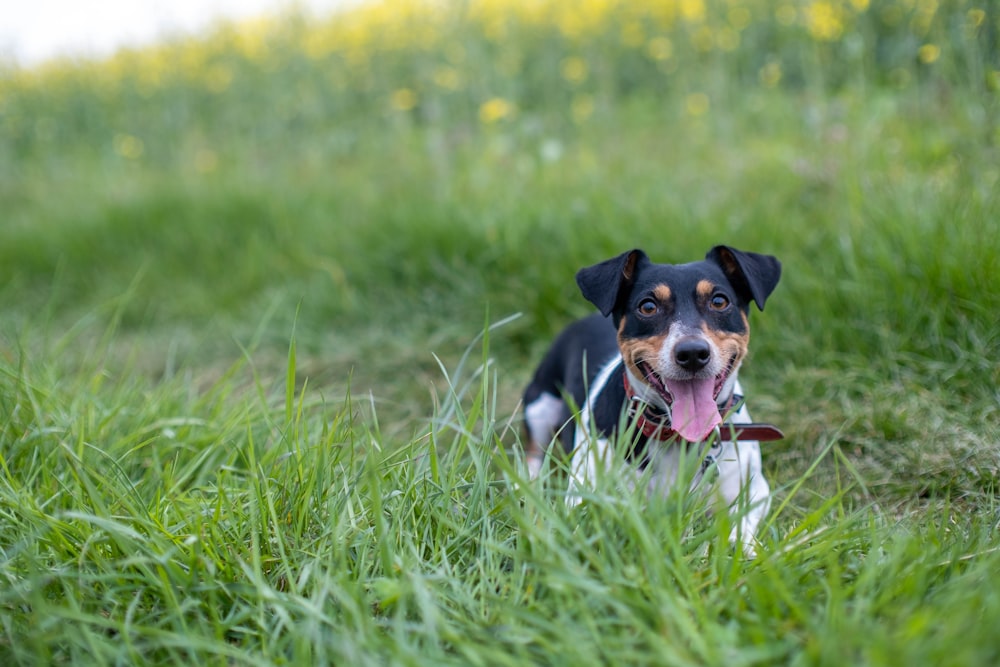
<point>719,302</point>
<point>647,307</point>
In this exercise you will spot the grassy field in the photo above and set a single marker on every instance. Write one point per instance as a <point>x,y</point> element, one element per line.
<point>270,295</point>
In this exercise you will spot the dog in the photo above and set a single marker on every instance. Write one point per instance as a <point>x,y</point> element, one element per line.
<point>655,371</point>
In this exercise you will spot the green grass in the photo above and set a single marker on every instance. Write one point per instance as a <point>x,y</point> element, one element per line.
<point>248,414</point>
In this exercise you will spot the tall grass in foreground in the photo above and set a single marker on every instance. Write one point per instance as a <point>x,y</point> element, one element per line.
<point>155,524</point>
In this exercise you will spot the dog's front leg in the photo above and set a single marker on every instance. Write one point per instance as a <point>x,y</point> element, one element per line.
<point>590,459</point>
<point>745,491</point>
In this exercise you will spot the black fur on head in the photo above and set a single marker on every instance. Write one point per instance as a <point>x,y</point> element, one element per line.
<point>602,284</point>
<point>753,276</point>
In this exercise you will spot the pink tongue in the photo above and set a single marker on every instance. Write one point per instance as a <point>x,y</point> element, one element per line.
<point>693,413</point>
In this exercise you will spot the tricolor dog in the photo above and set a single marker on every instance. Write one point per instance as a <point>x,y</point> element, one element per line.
<point>655,372</point>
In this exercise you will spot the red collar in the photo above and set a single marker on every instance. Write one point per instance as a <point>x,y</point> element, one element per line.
<point>656,425</point>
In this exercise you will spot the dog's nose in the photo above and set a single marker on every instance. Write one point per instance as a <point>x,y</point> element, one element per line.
<point>692,353</point>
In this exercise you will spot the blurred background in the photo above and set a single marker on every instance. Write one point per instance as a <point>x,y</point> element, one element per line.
<point>391,176</point>
<point>31,33</point>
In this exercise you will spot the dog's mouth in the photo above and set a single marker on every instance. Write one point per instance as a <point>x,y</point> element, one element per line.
<point>692,401</point>
<point>661,385</point>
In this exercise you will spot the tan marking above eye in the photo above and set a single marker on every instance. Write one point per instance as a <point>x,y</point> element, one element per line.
<point>704,288</point>
<point>663,293</point>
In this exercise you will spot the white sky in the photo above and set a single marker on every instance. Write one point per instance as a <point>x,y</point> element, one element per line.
<point>34,30</point>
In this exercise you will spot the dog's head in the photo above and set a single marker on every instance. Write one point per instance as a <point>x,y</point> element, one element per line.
<point>682,328</point>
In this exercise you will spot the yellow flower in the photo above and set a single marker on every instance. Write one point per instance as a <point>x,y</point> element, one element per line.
<point>660,48</point>
<point>128,146</point>
<point>770,74</point>
<point>702,39</point>
<point>496,28</point>
<point>403,99</point>
<point>696,104</point>
<point>824,21</point>
<point>693,10</point>
<point>993,83</point>
<point>739,17</point>
<point>251,37</point>
<point>633,35</point>
<point>447,78</point>
<point>319,41</point>
<point>573,69</point>
<point>580,18</point>
<point>727,39</point>
<point>923,19</point>
<point>928,53</point>
<point>786,15</point>
<point>495,109</point>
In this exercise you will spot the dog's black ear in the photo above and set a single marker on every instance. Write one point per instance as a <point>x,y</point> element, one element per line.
<point>602,283</point>
<point>753,276</point>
